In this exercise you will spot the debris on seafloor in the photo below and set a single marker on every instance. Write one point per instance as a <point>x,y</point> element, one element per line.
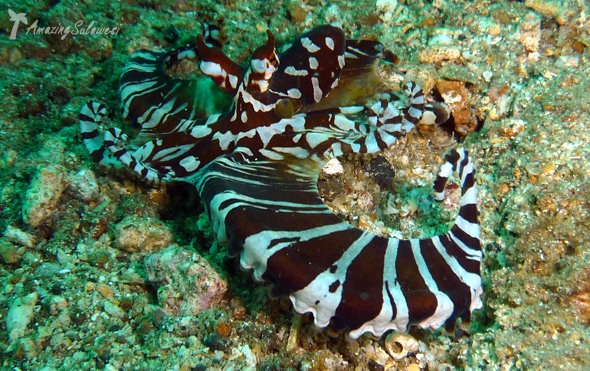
<point>20,315</point>
<point>186,282</point>
<point>142,235</point>
<point>43,195</point>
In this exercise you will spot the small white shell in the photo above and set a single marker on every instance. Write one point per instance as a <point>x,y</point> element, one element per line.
<point>399,345</point>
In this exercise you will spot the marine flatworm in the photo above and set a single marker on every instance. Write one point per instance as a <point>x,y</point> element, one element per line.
<point>256,168</point>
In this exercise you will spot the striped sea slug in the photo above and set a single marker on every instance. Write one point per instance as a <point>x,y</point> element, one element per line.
<point>256,168</point>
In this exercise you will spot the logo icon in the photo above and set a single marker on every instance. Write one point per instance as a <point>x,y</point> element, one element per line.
<point>17,19</point>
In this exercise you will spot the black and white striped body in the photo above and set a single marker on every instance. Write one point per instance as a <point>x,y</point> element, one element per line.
<point>256,168</point>
<point>350,278</point>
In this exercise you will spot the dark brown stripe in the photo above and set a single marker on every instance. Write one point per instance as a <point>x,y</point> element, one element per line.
<point>263,219</point>
<point>98,154</point>
<point>421,302</point>
<point>439,184</point>
<point>120,153</point>
<point>470,265</point>
<point>84,117</point>
<point>307,199</point>
<point>453,157</point>
<point>469,213</point>
<point>472,242</point>
<point>89,134</point>
<point>446,279</point>
<point>463,163</point>
<point>293,268</point>
<point>362,291</point>
<point>469,182</point>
